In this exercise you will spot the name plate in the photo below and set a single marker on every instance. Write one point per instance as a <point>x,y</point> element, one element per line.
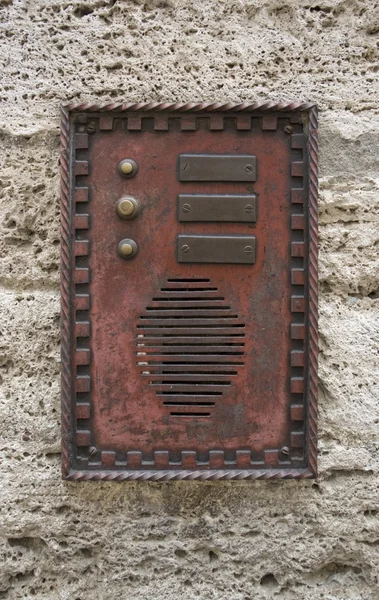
<point>232,249</point>
<point>217,208</point>
<point>217,167</point>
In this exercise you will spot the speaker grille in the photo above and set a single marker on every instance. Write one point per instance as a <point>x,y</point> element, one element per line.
<point>190,345</point>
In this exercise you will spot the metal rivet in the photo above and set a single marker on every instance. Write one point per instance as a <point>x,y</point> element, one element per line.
<point>127,208</point>
<point>127,167</point>
<point>185,248</point>
<point>127,248</point>
<point>248,249</point>
<point>186,208</point>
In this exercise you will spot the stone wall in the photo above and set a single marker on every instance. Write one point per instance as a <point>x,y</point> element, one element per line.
<point>234,541</point>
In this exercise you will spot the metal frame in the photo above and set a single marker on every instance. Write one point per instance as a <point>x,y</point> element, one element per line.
<point>67,109</point>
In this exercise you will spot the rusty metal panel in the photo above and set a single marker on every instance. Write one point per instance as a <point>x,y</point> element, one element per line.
<point>198,362</point>
<point>217,208</point>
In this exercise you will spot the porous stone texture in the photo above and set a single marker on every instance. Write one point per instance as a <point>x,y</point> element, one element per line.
<point>244,540</point>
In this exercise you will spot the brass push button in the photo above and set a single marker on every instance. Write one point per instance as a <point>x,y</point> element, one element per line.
<point>127,208</point>
<point>127,167</point>
<point>127,248</point>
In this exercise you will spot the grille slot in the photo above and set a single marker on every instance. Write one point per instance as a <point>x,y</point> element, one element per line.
<point>188,280</point>
<point>189,346</point>
<point>190,414</point>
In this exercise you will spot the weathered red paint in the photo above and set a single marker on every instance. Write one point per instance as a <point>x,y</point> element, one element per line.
<point>127,413</point>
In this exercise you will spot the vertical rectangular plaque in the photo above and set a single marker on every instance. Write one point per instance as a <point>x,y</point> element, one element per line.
<point>189,291</point>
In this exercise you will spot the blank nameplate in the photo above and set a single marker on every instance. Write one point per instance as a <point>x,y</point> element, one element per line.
<point>234,249</point>
<point>217,208</point>
<point>217,167</point>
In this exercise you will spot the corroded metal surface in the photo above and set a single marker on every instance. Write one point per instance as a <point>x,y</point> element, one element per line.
<point>187,371</point>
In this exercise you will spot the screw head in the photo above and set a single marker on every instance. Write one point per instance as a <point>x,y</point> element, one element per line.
<point>92,451</point>
<point>285,450</point>
<point>186,208</point>
<point>248,209</point>
<point>185,248</point>
<point>248,249</point>
<point>288,129</point>
<point>249,168</point>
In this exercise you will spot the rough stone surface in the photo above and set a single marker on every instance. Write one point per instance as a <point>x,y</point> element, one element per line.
<point>240,541</point>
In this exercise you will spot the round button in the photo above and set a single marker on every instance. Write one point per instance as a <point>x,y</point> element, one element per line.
<point>127,207</point>
<point>127,248</point>
<point>127,167</point>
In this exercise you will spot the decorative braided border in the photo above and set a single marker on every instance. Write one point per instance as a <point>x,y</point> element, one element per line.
<point>66,375</point>
<point>188,106</point>
<point>313,292</point>
<point>189,475</point>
